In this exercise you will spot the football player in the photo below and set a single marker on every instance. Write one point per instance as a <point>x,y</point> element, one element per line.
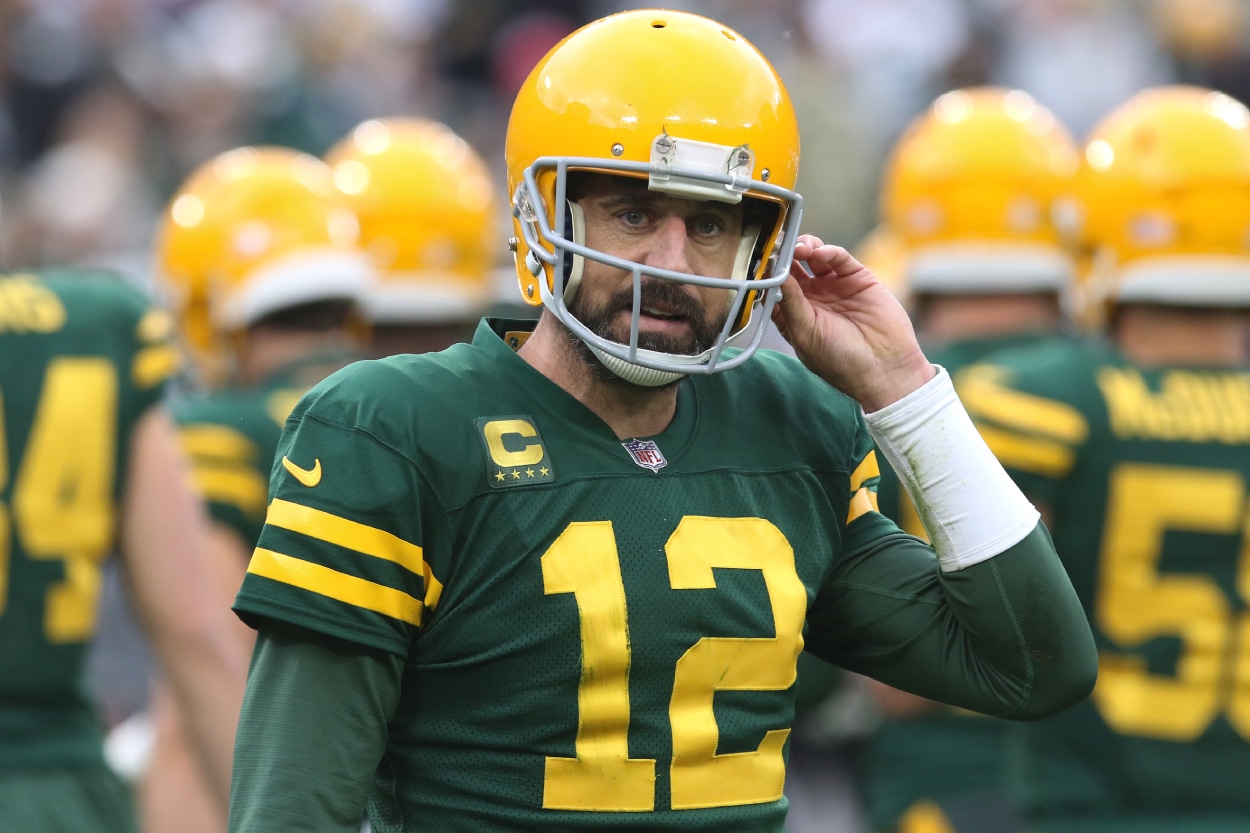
<point>559,578</point>
<point>259,255</point>
<point>427,214</point>
<point>89,466</point>
<point>1138,450</point>
<point>978,194</point>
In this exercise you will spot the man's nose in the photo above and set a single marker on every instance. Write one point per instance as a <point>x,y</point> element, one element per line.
<point>670,245</point>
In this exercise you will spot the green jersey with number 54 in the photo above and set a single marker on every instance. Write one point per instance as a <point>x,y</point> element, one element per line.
<point>82,356</point>
<point>1145,473</point>
<point>593,628</point>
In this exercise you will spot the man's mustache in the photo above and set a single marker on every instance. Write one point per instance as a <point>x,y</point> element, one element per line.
<point>667,296</point>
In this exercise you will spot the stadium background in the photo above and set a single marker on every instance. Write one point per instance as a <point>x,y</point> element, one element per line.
<point>106,105</point>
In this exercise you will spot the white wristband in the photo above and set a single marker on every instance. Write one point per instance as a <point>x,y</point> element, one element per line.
<point>969,505</point>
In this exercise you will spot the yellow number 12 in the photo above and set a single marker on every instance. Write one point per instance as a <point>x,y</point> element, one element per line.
<point>602,777</point>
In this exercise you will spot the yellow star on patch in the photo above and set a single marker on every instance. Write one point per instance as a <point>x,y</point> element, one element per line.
<point>499,476</point>
<point>516,474</point>
<point>529,472</point>
<point>543,471</point>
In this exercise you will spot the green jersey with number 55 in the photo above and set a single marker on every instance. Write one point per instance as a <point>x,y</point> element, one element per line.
<point>595,628</point>
<point>82,356</point>
<point>1145,473</point>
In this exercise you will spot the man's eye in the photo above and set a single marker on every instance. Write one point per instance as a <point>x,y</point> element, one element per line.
<point>634,217</point>
<point>707,226</point>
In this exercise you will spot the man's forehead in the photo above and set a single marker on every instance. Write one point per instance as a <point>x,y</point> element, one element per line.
<point>633,191</point>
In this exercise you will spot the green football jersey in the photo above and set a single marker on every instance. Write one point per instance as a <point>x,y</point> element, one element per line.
<point>970,788</point>
<point>595,628</point>
<point>1145,474</point>
<point>230,437</point>
<point>82,357</point>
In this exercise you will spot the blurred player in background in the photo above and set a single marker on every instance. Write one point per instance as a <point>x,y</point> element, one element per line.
<point>259,255</point>
<point>1138,451</point>
<point>89,462</point>
<point>974,203</point>
<point>428,220</point>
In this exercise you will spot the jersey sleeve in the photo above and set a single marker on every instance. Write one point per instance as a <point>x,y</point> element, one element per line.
<point>156,358</point>
<point>1005,637</point>
<point>340,551</point>
<point>1032,431</point>
<point>230,469</point>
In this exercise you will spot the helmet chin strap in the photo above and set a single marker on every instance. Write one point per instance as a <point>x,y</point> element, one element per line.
<point>646,377</point>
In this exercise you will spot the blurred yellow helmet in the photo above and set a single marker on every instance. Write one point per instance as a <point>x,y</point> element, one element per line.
<point>426,207</point>
<point>979,189</point>
<point>882,250</point>
<point>253,231</point>
<point>683,103</point>
<point>1165,193</point>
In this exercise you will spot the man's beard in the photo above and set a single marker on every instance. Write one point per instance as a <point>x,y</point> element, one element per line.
<point>702,332</point>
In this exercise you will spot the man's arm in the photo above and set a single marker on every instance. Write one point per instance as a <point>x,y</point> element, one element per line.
<point>997,626</point>
<point>175,794</point>
<point>1005,637</point>
<point>184,609</point>
<point>312,731</point>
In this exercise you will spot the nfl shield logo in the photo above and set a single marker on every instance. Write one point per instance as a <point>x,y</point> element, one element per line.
<point>646,454</point>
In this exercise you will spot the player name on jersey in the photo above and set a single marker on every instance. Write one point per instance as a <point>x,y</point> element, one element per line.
<point>1189,405</point>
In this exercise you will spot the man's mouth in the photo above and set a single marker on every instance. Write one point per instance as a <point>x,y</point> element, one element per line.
<point>661,313</point>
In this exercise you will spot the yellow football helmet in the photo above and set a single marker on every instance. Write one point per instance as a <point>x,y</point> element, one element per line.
<point>883,252</point>
<point>979,188</point>
<point>251,232</point>
<point>1165,196</point>
<point>691,107</point>
<point>426,207</point>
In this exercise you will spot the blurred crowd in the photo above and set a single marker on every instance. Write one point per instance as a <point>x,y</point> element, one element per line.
<point>106,105</point>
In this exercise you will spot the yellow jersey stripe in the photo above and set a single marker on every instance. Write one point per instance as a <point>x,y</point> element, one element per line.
<point>986,399</point>
<point>232,485</point>
<point>862,502</point>
<point>217,442</point>
<point>155,325</point>
<point>335,585</point>
<point>369,540</point>
<point>867,468</point>
<point>281,403</point>
<point>153,365</point>
<point>1027,454</point>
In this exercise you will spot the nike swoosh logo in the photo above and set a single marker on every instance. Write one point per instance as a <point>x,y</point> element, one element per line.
<point>309,477</point>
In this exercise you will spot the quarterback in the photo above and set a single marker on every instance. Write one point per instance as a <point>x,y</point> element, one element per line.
<point>559,578</point>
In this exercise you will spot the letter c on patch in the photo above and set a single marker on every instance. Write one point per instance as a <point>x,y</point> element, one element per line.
<point>529,453</point>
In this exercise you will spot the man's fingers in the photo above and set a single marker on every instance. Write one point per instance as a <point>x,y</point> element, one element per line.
<point>793,306</point>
